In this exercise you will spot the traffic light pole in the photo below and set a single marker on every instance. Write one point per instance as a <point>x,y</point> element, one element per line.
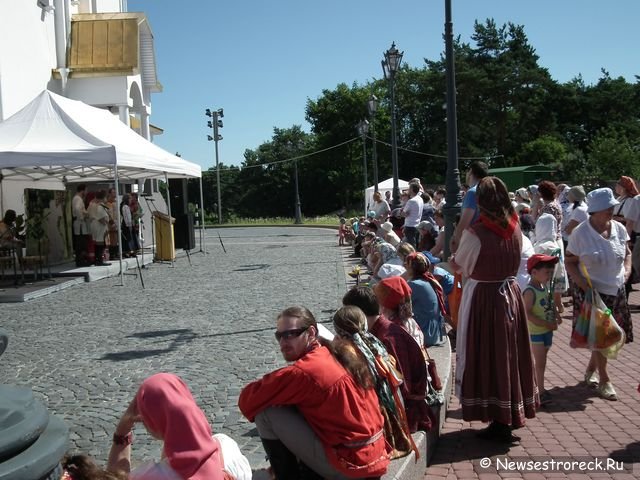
<point>215,123</point>
<point>216,137</point>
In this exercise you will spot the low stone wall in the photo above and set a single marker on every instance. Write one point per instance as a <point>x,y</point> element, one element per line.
<point>408,468</point>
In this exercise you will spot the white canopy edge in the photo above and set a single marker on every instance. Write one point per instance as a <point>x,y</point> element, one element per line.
<point>56,138</point>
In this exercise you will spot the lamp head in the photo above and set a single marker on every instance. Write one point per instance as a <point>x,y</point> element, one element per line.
<point>372,104</point>
<point>363,127</point>
<point>393,57</point>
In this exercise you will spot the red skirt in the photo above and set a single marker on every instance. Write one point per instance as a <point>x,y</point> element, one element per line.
<point>498,382</point>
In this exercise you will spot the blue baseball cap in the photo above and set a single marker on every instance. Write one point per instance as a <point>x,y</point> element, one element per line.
<point>431,257</point>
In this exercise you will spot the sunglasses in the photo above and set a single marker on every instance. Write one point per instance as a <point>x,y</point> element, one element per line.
<point>288,334</point>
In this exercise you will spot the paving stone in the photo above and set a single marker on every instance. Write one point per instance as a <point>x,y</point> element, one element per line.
<point>85,350</point>
<point>576,425</point>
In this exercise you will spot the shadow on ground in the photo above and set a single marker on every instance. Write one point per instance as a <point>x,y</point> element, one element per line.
<point>181,336</point>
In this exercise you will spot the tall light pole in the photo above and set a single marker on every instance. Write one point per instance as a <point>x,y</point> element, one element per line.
<point>215,123</point>
<point>363,129</point>
<point>297,199</point>
<point>372,107</point>
<point>453,200</point>
<point>390,66</point>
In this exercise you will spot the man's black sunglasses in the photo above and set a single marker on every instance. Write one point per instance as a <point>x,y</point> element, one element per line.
<point>287,334</point>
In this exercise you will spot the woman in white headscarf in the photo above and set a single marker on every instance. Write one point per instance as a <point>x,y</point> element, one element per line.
<point>546,243</point>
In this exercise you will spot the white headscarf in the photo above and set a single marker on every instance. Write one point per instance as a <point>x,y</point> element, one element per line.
<point>546,227</point>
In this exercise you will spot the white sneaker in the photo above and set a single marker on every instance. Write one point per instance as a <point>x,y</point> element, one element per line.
<point>591,378</point>
<point>607,392</point>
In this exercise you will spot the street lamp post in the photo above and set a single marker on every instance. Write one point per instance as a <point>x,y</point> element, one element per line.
<point>453,200</point>
<point>363,129</point>
<point>298,220</point>
<point>216,123</point>
<point>372,107</point>
<point>390,66</point>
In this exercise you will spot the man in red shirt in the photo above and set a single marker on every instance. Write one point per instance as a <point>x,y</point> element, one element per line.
<point>313,414</point>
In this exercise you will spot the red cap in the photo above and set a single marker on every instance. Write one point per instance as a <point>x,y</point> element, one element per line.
<point>537,258</point>
<point>392,291</point>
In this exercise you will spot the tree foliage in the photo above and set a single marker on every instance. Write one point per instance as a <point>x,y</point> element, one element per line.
<point>509,110</point>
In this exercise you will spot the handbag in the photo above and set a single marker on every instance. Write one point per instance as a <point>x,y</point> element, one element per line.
<point>396,427</point>
<point>455,298</point>
<point>434,395</point>
<point>433,371</point>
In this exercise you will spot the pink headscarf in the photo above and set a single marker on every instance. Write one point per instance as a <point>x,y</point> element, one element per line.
<point>168,408</point>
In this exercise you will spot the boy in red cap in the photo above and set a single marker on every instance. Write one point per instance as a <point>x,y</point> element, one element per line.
<point>542,315</point>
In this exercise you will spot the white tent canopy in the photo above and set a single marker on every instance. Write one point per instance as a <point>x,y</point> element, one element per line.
<point>54,137</point>
<point>54,140</point>
<point>386,186</point>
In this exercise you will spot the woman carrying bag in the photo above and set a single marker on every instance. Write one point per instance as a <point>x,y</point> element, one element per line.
<point>600,245</point>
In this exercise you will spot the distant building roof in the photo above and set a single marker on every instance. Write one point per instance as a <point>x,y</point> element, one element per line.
<point>525,168</point>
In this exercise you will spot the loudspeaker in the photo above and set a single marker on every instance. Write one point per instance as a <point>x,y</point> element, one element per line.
<point>184,232</point>
<point>179,197</point>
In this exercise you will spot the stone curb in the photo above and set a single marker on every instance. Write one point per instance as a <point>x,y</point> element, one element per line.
<point>408,468</point>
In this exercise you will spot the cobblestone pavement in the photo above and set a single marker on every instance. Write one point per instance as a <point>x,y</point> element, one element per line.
<point>85,350</point>
<point>577,426</point>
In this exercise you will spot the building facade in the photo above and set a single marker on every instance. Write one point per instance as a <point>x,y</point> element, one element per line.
<point>94,51</point>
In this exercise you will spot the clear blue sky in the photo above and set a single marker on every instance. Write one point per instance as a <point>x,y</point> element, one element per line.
<point>261,60</point>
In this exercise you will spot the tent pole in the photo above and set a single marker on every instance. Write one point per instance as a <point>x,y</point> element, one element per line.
<point>119,224</point>
<point>166,179</point>
<point>202,230</point>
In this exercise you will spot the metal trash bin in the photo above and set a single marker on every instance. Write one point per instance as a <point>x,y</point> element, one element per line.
<point>32,442</point>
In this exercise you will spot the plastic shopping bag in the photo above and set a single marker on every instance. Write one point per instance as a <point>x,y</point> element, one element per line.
<point>580,332</point>
<point>595,328</point>
<point>605,335</point>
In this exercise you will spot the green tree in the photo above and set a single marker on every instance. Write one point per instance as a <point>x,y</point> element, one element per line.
<point>611,154</point>
<point>545,150</point>
<point>508,107</point>
<point>266,181</point>
<point>336,176</point>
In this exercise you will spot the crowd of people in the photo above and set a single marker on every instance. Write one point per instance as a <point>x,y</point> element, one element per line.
<point>95,231</point>
<point>347,403</point>
<point>522,257</point>
<point>94,228</point>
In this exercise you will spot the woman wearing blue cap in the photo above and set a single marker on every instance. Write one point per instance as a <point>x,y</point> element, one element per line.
<point>600,244</point>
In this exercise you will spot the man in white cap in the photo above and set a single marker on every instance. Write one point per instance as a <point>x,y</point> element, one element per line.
<point>389,235</point>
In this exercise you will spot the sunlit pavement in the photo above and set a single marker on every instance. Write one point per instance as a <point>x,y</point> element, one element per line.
<point>578,426</point>
<point>85,350</point>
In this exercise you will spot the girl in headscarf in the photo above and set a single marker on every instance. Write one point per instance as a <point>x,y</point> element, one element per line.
<point>350,324</point>
<point>546,243</point>
<point>427,299</point>
<point>169,412</point>
<point>394,297</point>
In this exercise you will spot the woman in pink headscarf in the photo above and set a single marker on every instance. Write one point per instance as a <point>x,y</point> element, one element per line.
<point>169,412</point>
